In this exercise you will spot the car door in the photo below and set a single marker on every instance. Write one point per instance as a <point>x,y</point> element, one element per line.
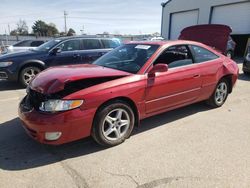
<point>180,85</point>
<point>92,50</point>
<point>209,64</point>
<point>68,54</point>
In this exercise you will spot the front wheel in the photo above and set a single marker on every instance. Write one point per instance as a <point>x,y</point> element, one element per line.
<point>220,94</point>
<point>27,74</point>
<point>113,124</point>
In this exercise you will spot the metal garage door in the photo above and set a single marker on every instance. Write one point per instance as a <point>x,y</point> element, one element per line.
<point>180,20</point>
<point>237,16</point>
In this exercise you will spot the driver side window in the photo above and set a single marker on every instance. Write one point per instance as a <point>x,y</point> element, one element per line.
<point>70,45</point>
<point>175,56</point>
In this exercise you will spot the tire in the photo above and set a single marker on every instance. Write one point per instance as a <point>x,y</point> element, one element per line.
<point>27,74</point>
<point>110,127</point>
<point>246,73</point>
<point>220,94</point>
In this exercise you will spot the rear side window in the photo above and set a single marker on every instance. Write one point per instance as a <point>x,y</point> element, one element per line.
<point>110,43</point>
<point>89,44</point>
<point>202,54</point>
<point>70,45</point>
<point>23,43</point>
<point>36,43</point>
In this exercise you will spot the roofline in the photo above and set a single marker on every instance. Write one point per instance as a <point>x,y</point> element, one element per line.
<point>83,37</point>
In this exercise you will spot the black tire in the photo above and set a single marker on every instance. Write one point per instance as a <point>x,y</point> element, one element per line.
<point>98,129</point>
<point>246,73</point>
<point>212,101</point>
<point>32,70</point>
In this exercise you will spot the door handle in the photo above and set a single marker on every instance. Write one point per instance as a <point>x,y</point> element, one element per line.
<point>197,76</point>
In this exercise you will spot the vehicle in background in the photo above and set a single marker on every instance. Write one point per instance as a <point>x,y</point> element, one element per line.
<point>23,45</point>
<point>157,39</point>
<point>230,48</point>
<point>210,34</point>
<point>137,80</point>
<point>23,66</point>
<point>246,62</point>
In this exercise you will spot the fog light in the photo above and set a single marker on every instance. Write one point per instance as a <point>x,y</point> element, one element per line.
<point>52,135</point>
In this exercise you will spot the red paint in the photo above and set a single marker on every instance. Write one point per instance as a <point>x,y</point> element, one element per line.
<point>213,35</point>
<point>151,95</point>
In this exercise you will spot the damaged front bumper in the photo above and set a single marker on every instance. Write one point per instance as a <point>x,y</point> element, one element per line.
<point>69,125</point>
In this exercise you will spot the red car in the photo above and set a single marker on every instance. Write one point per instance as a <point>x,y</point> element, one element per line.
<point>108,98</point>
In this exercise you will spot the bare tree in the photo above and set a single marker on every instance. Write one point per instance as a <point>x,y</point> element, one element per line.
<point>22,28</point>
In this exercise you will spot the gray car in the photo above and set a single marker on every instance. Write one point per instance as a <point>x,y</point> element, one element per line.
<point>246,63</point>
<point>23,45</point>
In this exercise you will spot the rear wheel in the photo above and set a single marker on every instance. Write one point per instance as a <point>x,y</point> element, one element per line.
<point>113,124</point>
<point>27,74</point>
<point>220,94</point>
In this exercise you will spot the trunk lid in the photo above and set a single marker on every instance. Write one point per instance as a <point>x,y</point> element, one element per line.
<point>213,35</point>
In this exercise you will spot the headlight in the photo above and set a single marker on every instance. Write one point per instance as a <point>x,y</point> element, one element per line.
<point>5,64</point>
<point>59,105</point>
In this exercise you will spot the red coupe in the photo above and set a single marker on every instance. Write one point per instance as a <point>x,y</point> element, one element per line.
<point>108,98</point>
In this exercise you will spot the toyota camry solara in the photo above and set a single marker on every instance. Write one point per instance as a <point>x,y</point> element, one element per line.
<point>108,98</point>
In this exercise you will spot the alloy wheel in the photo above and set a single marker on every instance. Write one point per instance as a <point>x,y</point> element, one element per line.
<point>115,124</point>
<point>221,93</point>
<point>29,74</point>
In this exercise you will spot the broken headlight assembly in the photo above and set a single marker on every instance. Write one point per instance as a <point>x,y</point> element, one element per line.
<point>59,105</point>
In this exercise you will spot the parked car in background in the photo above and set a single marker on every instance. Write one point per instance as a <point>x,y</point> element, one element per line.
<point>246,63</point>
<point>23,45</point>
<point>230,47</point>
<point>210,34</point>
<point>137,80</point>
<point>23,66</point>
<point>157,39</point>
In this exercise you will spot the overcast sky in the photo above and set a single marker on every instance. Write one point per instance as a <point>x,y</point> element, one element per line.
<point>96,16</point>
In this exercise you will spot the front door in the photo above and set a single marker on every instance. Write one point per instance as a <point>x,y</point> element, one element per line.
<point>69,53</point>
<point>181,84</point>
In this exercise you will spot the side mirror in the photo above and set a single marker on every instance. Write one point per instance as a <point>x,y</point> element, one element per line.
<point>157,68</point>
<point>55,51</point>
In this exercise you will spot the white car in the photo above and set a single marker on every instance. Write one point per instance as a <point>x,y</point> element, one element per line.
<point>23,45</point>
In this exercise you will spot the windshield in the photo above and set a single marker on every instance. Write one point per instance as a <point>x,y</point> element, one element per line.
<point>129,57</point>
<point>48,45</point>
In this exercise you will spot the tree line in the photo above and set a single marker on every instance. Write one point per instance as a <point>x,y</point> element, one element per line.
<point>39,28</point>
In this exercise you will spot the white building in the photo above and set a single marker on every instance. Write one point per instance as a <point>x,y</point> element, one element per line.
<point>178,14</point>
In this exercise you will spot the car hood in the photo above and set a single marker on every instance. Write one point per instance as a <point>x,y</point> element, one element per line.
<point>53,80</point>
<point>213,35</point>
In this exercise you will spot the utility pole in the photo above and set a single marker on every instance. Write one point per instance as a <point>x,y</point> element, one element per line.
<point>65,22</point>
<point>82,30</point>
<point>7,41</point>
<point>9,28</point>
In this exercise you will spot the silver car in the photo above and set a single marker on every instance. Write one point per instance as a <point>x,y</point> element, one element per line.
<point>23,45</point>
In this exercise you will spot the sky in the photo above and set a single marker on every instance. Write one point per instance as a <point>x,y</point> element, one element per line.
<point>92,16</point>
